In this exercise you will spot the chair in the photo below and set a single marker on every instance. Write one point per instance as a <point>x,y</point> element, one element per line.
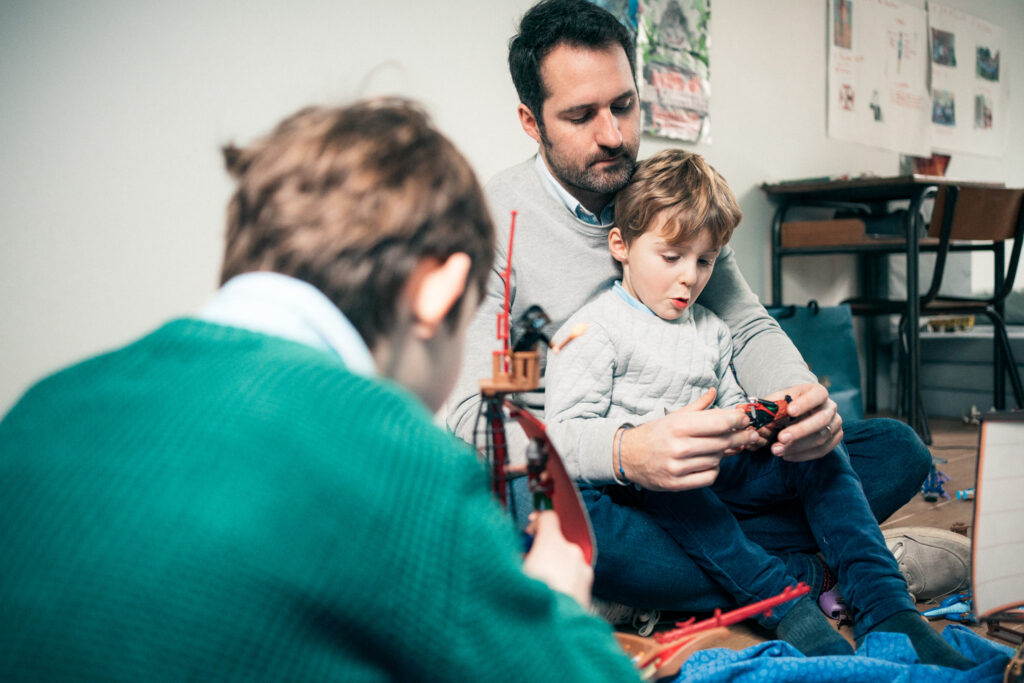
<point>992,215</point>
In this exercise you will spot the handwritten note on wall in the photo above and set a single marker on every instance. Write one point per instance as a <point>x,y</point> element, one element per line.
<point>912,81</point>
<point>877,80</point>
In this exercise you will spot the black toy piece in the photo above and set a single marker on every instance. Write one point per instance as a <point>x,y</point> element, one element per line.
<point>528,329</point>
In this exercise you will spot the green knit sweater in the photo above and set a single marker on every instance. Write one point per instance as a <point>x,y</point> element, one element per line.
<point>214,504</point>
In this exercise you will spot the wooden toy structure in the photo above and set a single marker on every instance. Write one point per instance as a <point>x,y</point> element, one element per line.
<point>551,486</point>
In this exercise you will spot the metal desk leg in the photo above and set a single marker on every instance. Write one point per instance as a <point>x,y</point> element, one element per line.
<point>998,362</point>
<point>869,273</point>
<point>913,317</point>
<point>780,214</point>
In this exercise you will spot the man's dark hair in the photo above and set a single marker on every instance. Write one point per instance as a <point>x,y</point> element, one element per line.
<point>551,23</point>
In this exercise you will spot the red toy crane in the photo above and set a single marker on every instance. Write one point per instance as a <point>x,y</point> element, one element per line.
<point>515,371</point>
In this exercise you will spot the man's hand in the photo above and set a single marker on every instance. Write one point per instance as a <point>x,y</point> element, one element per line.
<point>816,427</point>
<point>555,561</point>
<point>682,450</point>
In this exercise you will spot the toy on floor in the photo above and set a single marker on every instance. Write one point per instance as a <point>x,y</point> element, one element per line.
<point>960,528</point>
<point>664,653</point>
<point>830,599</point>
<point>833,605</point>
<point>955,608</point>
<point>965,494</point>
<point>1015,669</point>
<point>932,489</point>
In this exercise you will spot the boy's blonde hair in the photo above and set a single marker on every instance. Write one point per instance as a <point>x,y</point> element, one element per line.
<point>685,191</point>
<point>350,199</point>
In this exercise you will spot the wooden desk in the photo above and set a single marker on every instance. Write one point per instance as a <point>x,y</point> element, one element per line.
<point>874,193</point>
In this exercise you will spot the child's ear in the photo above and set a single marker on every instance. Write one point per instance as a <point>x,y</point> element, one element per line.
<point>529,122</point>
<point>433,289</point>
<point>617,245</point>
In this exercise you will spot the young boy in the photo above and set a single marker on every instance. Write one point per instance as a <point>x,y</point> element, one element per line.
<point>259,492</point>
<point>650,349</point>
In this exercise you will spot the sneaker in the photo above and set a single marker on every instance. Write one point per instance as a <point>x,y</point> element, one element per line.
<point>643,621</point>
<point>935,562</point>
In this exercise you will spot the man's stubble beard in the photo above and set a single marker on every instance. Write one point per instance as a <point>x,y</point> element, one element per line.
<point>587,178</point>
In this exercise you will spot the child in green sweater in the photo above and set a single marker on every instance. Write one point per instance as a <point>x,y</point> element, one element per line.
<point>259,492</point>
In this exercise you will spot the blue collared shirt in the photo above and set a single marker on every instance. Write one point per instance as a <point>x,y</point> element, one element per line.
<point>605,220</point>
<point>282,306</point>
<point>641,306</point>
<point>630,299</point>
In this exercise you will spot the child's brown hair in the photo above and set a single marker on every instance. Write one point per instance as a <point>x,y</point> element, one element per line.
<point>350,199</point>
<point>685,191</point>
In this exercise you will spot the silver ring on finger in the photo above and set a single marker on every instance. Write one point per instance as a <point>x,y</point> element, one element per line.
<point>828,429</point>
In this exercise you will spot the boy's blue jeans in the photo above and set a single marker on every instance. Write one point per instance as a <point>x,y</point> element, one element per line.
<point>755,530</point>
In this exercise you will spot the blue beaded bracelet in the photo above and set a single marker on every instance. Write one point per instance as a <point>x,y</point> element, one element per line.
<point>622,473</point>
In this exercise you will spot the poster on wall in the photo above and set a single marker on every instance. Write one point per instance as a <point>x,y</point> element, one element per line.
<point>672,66</point>
<point>877,78</point>
<point>968,109</point>
<point>623,10</point>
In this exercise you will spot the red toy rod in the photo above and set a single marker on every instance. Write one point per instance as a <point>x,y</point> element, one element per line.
<point>506,276</point>
<point>686,628</point>
<point>678,638</point>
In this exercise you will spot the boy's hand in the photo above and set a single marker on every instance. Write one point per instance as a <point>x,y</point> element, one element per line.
<point>555,561</point>
<point>682,450</point>
<point>816,427</point>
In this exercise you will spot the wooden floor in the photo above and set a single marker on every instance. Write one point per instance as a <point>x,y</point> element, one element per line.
<point>954,447</point>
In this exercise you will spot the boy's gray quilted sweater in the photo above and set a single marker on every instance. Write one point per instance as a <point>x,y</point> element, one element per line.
<point>630,366</point>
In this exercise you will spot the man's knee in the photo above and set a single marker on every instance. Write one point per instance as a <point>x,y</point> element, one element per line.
<point>890,459</point>
<point>891,440</point>
<point>917,459</point>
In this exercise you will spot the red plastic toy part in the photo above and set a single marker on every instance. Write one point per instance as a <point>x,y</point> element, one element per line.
<point>763,412</point>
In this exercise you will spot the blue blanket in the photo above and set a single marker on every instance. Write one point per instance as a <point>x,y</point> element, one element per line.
<point>882,657</point>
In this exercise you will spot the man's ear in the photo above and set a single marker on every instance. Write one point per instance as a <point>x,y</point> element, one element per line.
<point>617,246</point>
<point>529,122</point>
<point>433,289</point>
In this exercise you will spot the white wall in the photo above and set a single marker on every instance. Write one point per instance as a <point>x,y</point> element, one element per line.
<point>113,112</point>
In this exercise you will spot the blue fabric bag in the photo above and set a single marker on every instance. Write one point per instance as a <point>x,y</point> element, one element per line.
<point>824,337</point>
<point>882,657</point>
